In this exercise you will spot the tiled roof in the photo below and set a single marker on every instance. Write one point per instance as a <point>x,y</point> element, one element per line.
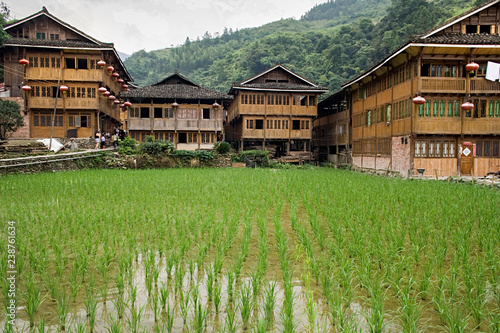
<point>175,91</point>
<point>454,38</point>
<point>55,43</point>
<point>279,86</point>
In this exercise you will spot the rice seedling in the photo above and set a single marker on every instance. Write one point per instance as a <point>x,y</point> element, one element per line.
<point>33,298</point>
<point>62,308</point>
<point>134,319</point>
<point>114,325</point>
<point>246,304</point>
<point>345,231</point>
<point>231,321</point>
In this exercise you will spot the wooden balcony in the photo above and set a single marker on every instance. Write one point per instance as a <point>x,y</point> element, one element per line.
<point>68,103</point>
<point>443,85</point>
<point>52,74</point>
<point>483,86</point>
<point>139,124</point>
<point>160,124</point>
<point>210,125</point>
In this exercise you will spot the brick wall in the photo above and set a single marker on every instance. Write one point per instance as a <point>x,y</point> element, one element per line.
<point>23,132</point>
<point>401,154</point>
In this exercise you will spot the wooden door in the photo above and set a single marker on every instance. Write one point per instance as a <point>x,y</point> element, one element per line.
<point>466,158</point>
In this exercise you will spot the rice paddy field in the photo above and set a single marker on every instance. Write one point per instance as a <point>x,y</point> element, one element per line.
<point>257,250</point>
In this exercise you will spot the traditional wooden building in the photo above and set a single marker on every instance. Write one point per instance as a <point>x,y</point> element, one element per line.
<point>275,107</point>
<point>178,110</point>
<point>457,128</point>
<point>332,130</point>
<point>58,70</point>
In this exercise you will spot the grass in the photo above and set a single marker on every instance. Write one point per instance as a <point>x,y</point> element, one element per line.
<point>260,249</point>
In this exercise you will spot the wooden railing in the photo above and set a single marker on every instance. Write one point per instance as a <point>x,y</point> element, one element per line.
<point>439,84</point>
<point>481,85</point>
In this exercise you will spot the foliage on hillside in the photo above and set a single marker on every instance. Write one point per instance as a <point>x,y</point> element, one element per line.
<point>330,44</point>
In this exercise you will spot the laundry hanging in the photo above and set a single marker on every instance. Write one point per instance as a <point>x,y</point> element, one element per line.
<point>493,71</point>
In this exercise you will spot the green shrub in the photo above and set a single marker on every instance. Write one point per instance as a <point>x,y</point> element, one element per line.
<point>127,146</point>
<point>203,156</point>
<point>260,157</point>
<point>222,147</point>
<point>156,147</point>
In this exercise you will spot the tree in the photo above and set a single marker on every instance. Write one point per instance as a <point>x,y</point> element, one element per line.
<point>10,118</point>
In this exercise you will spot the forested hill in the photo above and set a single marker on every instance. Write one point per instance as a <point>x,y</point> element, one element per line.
<point>330,44</point>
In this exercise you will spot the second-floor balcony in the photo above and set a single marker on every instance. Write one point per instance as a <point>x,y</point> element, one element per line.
<point>458,85</point>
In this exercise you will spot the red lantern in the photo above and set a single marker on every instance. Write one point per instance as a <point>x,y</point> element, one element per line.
<point>26,88</point>
<point>102,90</point>
<point>63,88</point>
<point>467,106</point>
<point>110,69</point>
<point>127,104</point>
<point>24,62</point>
<point>124,86</point>
<point>471,67</point>
<point>111,97</point>
<point>101,63</point>
<point>216,106</point>
<point>106,93</point>
<point>175,105</point>
<point>116,101</point>
<point>122,106</point>
<point>120,81</point>
<point>419,100</point>
<point>127,89</point>
<point>115,74</point>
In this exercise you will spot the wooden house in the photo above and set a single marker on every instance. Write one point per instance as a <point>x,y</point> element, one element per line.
<point>178,110</point>
<point>441,136</point>
<point>274,108</point>
<point>332,129</point>
<point>58,70</point>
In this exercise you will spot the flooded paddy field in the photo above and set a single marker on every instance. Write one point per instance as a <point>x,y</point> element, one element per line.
<point>236,250</point>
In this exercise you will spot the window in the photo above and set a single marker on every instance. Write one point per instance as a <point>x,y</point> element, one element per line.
<point>250,123</point>
<point>259,124</point>
<point>54,36</point>
<point>182,137</point>
<point>303,100</point>
<point>296,124</point>
<point>134,112</point>
<point>435,148</point>
<point>488,148</point>
<point>192,137</point>
<point>158,112</point>
<point>145,112</point>
<point>270,99</point>
<point>70,63</point>
<point>55,62</point>
<point>169,113</point>
<point>312,100</point>
<point>471,29</point>
<point>206,113</point>
<point>269,124</point>
<point>82,64</point>
<point>207,137</point>
<point>40,35</point>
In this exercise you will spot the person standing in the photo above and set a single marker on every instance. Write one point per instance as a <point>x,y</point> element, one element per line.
<point>97,139</point>
<point>103,141</point>
<point>114,138</point>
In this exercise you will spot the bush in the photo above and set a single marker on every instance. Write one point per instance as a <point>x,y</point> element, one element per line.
<point>222,147</point>
<point>127,146</point>
<point>156,147</point>
<point>260,157</point>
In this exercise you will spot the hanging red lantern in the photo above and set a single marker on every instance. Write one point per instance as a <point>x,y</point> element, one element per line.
<point>110,69</point>
<point>467,106</point>
<point>216,106</point>
<point>120,81</point>
<point>471,67</point>
<point>419,100</point>
<point>124,86</point>
<point>115,74</point>
<point>175,105</point>
<point>111,97</point>
<point>127,89</point>
<point>26,88</point>
<point>116,101</point>
<point>102,90</point>
<point>63,88</point>
<point>122,106</point>
<point>24,62</point>
<point>101,63</point>
<point>127,104</point>
<point>106,93</point>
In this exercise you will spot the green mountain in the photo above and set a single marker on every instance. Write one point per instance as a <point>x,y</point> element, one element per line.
<point>330,44</point>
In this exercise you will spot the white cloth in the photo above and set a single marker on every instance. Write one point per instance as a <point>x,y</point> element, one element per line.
<point>493,71</point>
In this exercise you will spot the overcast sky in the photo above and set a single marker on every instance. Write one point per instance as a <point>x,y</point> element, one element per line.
<point>157,24</point>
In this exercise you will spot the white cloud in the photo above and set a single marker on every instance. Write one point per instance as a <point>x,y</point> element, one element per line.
<point>156,24</point>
